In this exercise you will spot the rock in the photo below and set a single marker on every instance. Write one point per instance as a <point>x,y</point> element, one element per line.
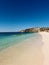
<point>36,29</point>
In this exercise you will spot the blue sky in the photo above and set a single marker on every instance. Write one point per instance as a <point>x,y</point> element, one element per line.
<point>16,15</point>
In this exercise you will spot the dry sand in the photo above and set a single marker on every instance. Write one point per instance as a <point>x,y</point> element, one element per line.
<point>33,51</point>
<point>45,48</point>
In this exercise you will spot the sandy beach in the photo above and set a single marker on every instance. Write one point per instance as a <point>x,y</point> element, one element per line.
<point>45,48</point>
<point>32,51</point>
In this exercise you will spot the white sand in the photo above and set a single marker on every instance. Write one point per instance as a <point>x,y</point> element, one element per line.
<point>45,47</point>
<point>33,51</point>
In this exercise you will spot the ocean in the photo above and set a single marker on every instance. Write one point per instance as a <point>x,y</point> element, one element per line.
<point>8,39</point>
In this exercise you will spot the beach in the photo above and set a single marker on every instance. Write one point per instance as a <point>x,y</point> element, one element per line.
<point>45,48</point>
<point>32,51</point>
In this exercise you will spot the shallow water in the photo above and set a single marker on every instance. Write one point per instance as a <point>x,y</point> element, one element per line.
<point>9,39</point>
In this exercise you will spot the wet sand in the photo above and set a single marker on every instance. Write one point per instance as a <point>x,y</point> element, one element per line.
<point>28,52</point>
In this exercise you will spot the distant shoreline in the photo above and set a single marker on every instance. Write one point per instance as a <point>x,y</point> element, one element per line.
<point>42,29</point>
<point>28,30</point>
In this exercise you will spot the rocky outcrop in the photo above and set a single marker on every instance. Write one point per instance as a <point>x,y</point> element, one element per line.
<point>31,30</point>
<point>36,29</point>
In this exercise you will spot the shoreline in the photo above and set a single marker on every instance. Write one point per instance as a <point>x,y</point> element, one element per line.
<point>29,52</point>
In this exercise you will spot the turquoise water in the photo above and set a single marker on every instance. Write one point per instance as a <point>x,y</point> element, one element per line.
<point>7,40</point>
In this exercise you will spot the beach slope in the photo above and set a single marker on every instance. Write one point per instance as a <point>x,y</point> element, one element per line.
<point>32,51</point>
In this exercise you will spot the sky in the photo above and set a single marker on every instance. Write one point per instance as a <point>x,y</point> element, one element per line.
<point>16,15</point>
